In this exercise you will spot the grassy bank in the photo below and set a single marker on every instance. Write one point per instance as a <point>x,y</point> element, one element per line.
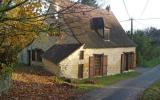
<point>152,93</point>
<point>98,82</point>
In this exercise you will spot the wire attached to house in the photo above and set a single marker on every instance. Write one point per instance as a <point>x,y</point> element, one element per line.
<point>144,9</point>
<point>126,8</point>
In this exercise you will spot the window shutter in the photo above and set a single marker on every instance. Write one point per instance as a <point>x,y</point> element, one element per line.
<point>134,60</point>
<point>39,54</point>
<point>91,67</point>
<point>105,63</point>
<point>80,71</point>
<point>123,62</point>
<point>81,55</point>
<point>33,55</point>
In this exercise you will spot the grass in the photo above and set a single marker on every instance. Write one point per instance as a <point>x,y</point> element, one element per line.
<point>152,93</point>
<point>99,82</point>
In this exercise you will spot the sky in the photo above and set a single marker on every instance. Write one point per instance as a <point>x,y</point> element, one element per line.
<point>137,9</point>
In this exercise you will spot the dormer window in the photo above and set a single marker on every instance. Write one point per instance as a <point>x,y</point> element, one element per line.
<point>97,23</point>
<point>106,34</point>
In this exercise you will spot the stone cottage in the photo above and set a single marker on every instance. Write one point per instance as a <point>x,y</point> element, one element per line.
<point>92,43</point>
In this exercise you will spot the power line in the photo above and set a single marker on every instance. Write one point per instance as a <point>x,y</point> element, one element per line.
<point>125,20</point>
<point>141,19</point>
<point>141,23</point>
<point>146,4</point>
<point>126,8</point>
<point>148,19</point>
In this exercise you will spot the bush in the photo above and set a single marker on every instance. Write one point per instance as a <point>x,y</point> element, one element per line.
<point>5,70</point>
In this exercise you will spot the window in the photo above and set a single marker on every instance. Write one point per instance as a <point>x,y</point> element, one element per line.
<point>97,23</point>
<point>107,34</point>
<point>81,55</point>
<point>36,55</point>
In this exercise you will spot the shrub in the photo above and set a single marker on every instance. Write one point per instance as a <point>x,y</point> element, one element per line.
<point>5,70</point>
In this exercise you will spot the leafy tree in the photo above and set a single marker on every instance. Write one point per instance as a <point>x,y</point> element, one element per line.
<point>20,22</point>
<point>90,2</point>
<point>146,48</point>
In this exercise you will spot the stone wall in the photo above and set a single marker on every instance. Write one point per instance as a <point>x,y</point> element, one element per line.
<point>5,84</point>
<point>51,67</point>
<point>69,66</point>
<point>114,58</point>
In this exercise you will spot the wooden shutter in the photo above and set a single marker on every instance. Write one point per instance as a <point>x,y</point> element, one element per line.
<point>105,63</point>
<point>129,60</point>
<point>134,60</point>
<point>91,67</point>
<point>80,71</point>
<point>81,55</point>
<point>33,55</point>
<point>123,62</point>
<point>39,54</point>
<point>29,57</point>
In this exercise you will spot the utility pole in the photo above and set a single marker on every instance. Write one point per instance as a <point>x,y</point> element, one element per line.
<point>131,28</point>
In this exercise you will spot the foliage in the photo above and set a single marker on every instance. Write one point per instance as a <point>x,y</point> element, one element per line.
<point>31,83</point>
<point>5,70</point>
<point>148,52</point>
<point>152,93</point>
<point>152,63</point>
<point>99,82</point>
<point>90,2</point>
<point>21,21</point>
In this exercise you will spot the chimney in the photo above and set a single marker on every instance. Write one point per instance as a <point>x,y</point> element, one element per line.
<point>108,8</point>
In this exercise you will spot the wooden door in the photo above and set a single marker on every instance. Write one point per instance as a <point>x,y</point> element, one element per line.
<point>29,57</point>
<point>80,71</point>
<point>91,67</point>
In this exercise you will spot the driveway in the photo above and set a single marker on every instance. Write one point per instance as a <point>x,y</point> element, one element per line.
<point>129,89</point>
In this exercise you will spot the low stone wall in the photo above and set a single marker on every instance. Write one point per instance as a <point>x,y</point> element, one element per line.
<point>5,84</point>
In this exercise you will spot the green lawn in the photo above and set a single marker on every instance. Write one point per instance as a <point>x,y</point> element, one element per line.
<point>99,82</point>
<point>152,93</point>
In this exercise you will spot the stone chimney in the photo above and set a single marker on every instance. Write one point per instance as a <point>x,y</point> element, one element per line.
<point>108,8</point>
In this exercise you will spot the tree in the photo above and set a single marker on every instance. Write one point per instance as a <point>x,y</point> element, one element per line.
<point>20,22</point>
<point>90,2</point>
<point>146,49</point>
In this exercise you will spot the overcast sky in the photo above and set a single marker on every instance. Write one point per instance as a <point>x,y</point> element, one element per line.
<point>136,11</point>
